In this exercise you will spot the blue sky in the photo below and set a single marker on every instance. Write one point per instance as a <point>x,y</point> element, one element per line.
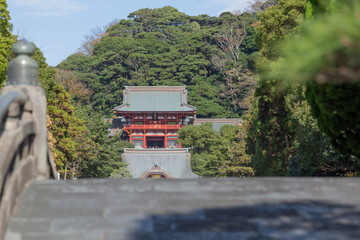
<point>58,27</point>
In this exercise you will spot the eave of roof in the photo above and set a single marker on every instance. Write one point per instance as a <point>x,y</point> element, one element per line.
<point>155,99</point>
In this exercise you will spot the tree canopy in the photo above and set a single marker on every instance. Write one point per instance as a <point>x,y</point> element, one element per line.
<point>283,137</point>
<point>288,67</point>
<point>216,153</point>
<point>163,46</point>
<point>6,40</point>
<point>330,71</point>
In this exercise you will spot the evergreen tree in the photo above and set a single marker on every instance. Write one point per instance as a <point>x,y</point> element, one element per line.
<point>6,40</point>
<point>237,162</point>
<point>106,154</point>
<point>269,138</point>
<point>313,154</point>
<point>300,58</point>
<point>216,154</point>
<point>328,66</point>
<point>163,46</point>
<point>70,142</point>
<point>337,83</point>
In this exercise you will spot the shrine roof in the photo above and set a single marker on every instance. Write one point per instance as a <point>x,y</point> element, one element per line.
<point>218,123</point>
<point>174,162</point>
<point>155,99</point>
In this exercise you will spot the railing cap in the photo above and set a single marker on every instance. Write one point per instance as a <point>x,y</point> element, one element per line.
<point>23,47</point>
<point>23,70</point>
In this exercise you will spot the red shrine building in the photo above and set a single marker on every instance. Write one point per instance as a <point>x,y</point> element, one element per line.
<point>151,116</point>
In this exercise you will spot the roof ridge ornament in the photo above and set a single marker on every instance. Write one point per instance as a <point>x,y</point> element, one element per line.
<point>23,70</point>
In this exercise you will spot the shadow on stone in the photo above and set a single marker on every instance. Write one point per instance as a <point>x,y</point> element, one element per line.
<point>295,220</point>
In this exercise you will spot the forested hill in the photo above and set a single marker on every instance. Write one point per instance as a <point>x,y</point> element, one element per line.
<point>304,117</point>
<point>290,129</point>
<point>212,56</point>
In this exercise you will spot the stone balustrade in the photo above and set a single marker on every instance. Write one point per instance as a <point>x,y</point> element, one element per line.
<point>24,152</point>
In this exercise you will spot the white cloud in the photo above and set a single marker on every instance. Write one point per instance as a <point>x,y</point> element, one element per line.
<point>50,7</point>
<point>231,5</point>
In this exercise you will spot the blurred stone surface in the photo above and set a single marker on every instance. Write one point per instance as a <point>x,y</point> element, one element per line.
<point>201,209</point>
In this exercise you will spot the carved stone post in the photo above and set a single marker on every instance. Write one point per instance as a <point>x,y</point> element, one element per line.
<point>23,74</point>
<point>24,152</point>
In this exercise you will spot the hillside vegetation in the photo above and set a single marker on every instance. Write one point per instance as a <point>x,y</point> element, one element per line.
<point>289,68</point>
<point>212,56</point>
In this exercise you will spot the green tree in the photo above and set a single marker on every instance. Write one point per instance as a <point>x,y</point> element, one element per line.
<point>106,153</point>
<point>216,154</point>
<point>313,154</point>
<point>269,136</point>
<point>198,138</point>
<point>329,69</point>
<point>71,145</point>
<point>236,162</point>
<point>162,46</point>
<point>201,140</point>
<point>302,57</point>
<point>277,23</point>
<point>6,40</point>
<point>329,100</point>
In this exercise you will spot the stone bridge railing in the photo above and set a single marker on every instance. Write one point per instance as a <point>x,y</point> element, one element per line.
<point>24,152</point>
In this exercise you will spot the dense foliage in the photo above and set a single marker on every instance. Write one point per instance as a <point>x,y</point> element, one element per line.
<point>337,84</point>
<point>308,126</point>
<point>216,153</point>
<point>6,40</point>
<point>210,55</point>
<point>106,152</point>
<point>79,148</point>
<point>313,154</point>
<point>283,137</point>
<point>269,137</point>
<point>331,73</point>
<point>215,57</point>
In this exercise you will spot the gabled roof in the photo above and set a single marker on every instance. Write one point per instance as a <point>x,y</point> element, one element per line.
<point>219,122</point>
<point>175,162</point>
<point>155,99</point>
